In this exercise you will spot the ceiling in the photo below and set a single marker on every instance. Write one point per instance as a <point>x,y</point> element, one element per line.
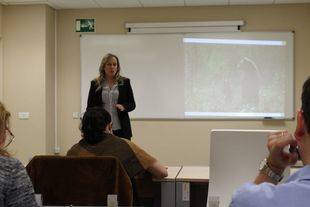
<point>83,4</point>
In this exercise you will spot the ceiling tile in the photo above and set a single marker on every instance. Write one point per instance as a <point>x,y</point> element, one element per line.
<point>291,1</point>
<point>205,2</point>
<point>73,4</point>
<point>81,4</point>
<point>246,2</point>
<point>25,1</point>
<point>161,3</point>
<point>118,3</point>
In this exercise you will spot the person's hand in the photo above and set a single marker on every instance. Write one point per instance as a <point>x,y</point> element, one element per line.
<point>120,107</point>
<point>279,159</point>
<point>108,131</point>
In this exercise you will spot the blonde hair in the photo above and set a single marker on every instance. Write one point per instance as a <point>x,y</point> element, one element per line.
<point>103,63</point>
<point>4,123</point>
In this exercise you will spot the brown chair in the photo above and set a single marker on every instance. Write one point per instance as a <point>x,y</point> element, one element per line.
<point>79,180</point>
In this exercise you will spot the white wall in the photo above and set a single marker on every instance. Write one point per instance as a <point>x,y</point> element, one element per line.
<point>171,141</point>
<point>1,55</point>
<point>27,65</point>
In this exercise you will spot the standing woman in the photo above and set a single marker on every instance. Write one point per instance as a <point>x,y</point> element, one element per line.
<point>114,93</point>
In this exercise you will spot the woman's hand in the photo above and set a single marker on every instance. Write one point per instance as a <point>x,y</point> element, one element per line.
<point>120,107</point>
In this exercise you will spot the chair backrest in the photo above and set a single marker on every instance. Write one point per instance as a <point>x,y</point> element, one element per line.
<point>79,180</point>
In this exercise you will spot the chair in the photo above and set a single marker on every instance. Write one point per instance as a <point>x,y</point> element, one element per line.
<point>79,180</point>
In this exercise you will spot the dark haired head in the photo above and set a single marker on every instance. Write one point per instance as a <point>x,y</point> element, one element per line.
<point>305,99</point>
<point>94,123</point>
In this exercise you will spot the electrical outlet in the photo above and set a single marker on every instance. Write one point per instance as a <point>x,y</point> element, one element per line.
<point>76,115</point>
<point>214,201</point>
<point>185,191</point>
<point>23,115</point>
<point>112,200</point>
<point>57,150</point>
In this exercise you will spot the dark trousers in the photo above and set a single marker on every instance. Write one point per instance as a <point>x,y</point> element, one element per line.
<point>120,133</point>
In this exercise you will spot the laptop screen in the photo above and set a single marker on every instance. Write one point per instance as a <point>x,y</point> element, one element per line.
<point>234,160</point>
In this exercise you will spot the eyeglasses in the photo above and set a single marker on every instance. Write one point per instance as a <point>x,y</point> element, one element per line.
<point>9,138</point>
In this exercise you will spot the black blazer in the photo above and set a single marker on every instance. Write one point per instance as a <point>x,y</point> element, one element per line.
<point>125,98</point>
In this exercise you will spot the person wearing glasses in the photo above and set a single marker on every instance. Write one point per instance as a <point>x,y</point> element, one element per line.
<point>16,189</point>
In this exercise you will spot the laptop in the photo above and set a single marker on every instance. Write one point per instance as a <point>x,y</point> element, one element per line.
<point>234,160</point>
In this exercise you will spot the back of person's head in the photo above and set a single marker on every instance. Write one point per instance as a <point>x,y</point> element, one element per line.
<point>305,106</point>
<point>4,125</point>
<point>94,123</point>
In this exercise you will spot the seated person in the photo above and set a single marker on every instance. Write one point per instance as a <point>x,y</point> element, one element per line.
<point>98,140</point>
<point>266,190</point>
<point>15,186</point>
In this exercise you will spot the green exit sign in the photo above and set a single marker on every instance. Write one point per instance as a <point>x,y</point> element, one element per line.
<point>85,25</point>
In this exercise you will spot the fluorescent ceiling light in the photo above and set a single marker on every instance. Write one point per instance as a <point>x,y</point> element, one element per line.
<point>232,114</point>
<point>234,41</point>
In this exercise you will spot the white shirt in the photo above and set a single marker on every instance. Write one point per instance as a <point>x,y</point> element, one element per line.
<point>110,99</point>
